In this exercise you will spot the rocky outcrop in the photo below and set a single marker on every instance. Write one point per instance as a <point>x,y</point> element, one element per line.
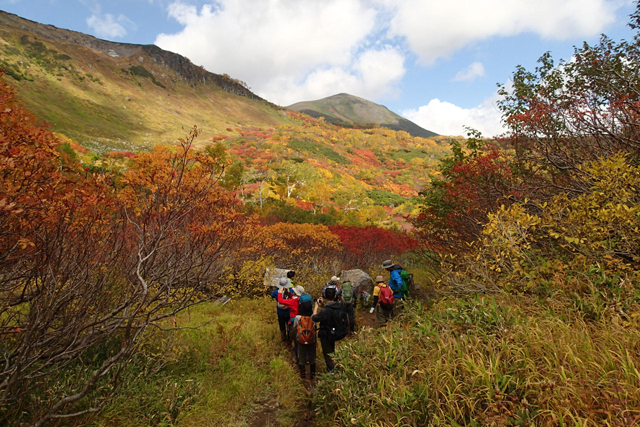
<point>360,280</point>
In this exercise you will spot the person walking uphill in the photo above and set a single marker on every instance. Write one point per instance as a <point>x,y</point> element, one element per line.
<point>382,301</point>
<point>282,310</point>
<point>348,301</point>
<point>334,324</point>
<point>305,338</point>
<point>399,287</point>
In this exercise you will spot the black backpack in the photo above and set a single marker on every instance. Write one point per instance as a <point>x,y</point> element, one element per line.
<point>337,323</point>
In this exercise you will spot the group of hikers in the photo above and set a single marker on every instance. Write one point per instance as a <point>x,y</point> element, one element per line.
<point>330,318</point>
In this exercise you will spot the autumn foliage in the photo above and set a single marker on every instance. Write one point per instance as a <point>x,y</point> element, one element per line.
<point>364,247</point>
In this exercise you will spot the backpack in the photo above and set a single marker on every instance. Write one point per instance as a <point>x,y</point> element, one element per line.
<point>386,297</point>
<point>347,294</point>
<point>337,323</point>
<point>305,333</point>
<point>406,282</point>
<point>284,296</point>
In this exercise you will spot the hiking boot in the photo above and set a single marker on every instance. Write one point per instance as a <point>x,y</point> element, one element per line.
<point>312,372</point>
<point>303,371</point>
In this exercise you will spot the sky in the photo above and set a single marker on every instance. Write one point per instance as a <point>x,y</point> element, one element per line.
<point>436,62</point>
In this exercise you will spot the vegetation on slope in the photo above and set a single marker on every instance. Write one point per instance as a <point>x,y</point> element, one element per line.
<point>113,97</point>
<point>351,111</point>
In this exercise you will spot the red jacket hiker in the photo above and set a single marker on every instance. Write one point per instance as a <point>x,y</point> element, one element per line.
<point>293,302</point>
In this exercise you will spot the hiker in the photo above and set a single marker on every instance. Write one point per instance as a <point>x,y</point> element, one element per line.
<point>292,302</point>
<point>334,282</point>
<point>305,338</point>
<point>290,275</point>
<point>348,301</point>
<point>334,323</point>
<point>382,301</point>
<point>396,282</point>
<point>283,312</point>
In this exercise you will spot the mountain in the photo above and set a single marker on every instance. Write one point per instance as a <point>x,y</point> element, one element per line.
<point>345,108</point>
<point>117,96</point>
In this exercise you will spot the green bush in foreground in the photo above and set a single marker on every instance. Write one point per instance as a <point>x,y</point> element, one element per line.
<point>486,361</point>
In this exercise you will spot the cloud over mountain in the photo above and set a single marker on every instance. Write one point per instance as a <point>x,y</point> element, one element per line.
<point>288,50</point>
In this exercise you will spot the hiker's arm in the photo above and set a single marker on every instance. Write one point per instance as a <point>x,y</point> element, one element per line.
<point>287,302</point>
<point>318,314</point>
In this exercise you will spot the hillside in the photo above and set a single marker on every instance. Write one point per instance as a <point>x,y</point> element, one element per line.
<point>117,99</point>
<point>345,108</point>
<point>116,96</point>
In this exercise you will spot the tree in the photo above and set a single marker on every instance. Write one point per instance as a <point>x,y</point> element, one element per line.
<point>475,180</point>
<point>88,264</point>
<point>561,116</point>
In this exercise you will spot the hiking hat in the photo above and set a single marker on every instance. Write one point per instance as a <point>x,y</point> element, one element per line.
<point>387,264</point>
<point>335,279</point>
<point>379,279</point>
<point>299,290</point>
<point>283,283</point>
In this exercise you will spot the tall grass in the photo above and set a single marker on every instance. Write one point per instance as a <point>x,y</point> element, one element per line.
<point>486,361</point>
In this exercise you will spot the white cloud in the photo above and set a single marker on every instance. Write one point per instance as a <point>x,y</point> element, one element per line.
<point>474,71</point>
<point>435,29</point>
<point>446,118</point>
<point>288,50</point>
<point>107,26</point>
<point>292,50</point>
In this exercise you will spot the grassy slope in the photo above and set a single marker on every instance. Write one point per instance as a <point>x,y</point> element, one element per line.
<point>98,101</point>
<point>348,108</point>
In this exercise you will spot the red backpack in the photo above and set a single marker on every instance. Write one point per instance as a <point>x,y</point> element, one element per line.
<point>386,297</point>
<point>305,333</point>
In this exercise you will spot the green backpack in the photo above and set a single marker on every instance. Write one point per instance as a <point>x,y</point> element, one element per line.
<point>348,297</point>
<point>406,283</point>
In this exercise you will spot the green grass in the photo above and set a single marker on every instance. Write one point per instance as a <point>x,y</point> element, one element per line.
<point>218,375</point>
<point>317,149</point>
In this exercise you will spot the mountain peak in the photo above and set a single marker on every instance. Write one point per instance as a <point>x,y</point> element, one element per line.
<point>346,108</point>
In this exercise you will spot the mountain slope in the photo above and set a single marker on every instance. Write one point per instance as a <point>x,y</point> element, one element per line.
<point>352,109</point>
<point>116,96</point>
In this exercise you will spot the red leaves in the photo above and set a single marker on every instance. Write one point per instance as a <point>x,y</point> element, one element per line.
<point>364,246</point>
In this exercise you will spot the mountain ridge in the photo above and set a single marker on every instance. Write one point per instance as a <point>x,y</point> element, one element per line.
<point>344,108</point>
<point>111,96</point>
<point>183,66</point>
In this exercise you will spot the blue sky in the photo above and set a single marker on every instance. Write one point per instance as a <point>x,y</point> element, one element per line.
<point>435,62</point>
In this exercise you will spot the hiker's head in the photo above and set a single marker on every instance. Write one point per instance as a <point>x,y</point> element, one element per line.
<point>283,282</point>
<point>387,264</point>
<point>379,279</point>
<point>330,294</point>
<point>305,310</point>
<point>298,290</point>
<point>290,274</point>
<point>335,280</point>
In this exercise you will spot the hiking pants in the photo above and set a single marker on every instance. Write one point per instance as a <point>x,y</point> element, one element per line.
<point>382,315</point>
<point>352,316</point>
<point>283,323</point>
<point>306,354</point>
<point>328,348</point>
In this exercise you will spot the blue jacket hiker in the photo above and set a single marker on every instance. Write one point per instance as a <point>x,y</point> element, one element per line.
<point>395,280</point>
<point>282,311</point>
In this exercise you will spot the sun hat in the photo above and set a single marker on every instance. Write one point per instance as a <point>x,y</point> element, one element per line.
<point>379,279</point>
<point>283,283</point>
<point>387,264</point>
<point>298,290</point>
<point>335,279</point>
